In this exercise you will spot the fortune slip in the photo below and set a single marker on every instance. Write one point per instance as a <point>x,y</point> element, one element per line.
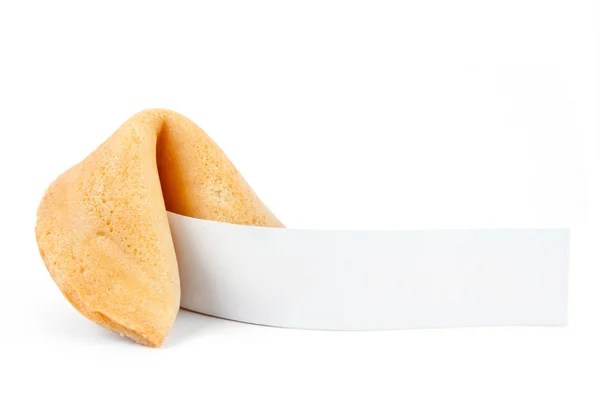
<point>371,280</point>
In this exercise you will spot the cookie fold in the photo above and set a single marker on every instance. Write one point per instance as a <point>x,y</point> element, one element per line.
<point>102,227</point>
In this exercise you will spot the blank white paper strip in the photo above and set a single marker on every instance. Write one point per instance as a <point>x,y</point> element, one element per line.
<point>370,280</point>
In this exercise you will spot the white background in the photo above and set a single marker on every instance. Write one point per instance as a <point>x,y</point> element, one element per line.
<point>363,114</point>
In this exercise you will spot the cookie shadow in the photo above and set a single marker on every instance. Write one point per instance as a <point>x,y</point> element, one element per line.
<point>190,325</point>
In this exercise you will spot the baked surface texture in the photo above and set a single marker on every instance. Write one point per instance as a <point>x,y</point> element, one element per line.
<point>102,227</point>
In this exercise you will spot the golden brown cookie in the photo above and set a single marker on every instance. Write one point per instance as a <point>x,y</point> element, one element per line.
<point>102,227</point>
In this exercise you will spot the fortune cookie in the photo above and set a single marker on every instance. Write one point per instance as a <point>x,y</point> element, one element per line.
<point>102,227</point>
